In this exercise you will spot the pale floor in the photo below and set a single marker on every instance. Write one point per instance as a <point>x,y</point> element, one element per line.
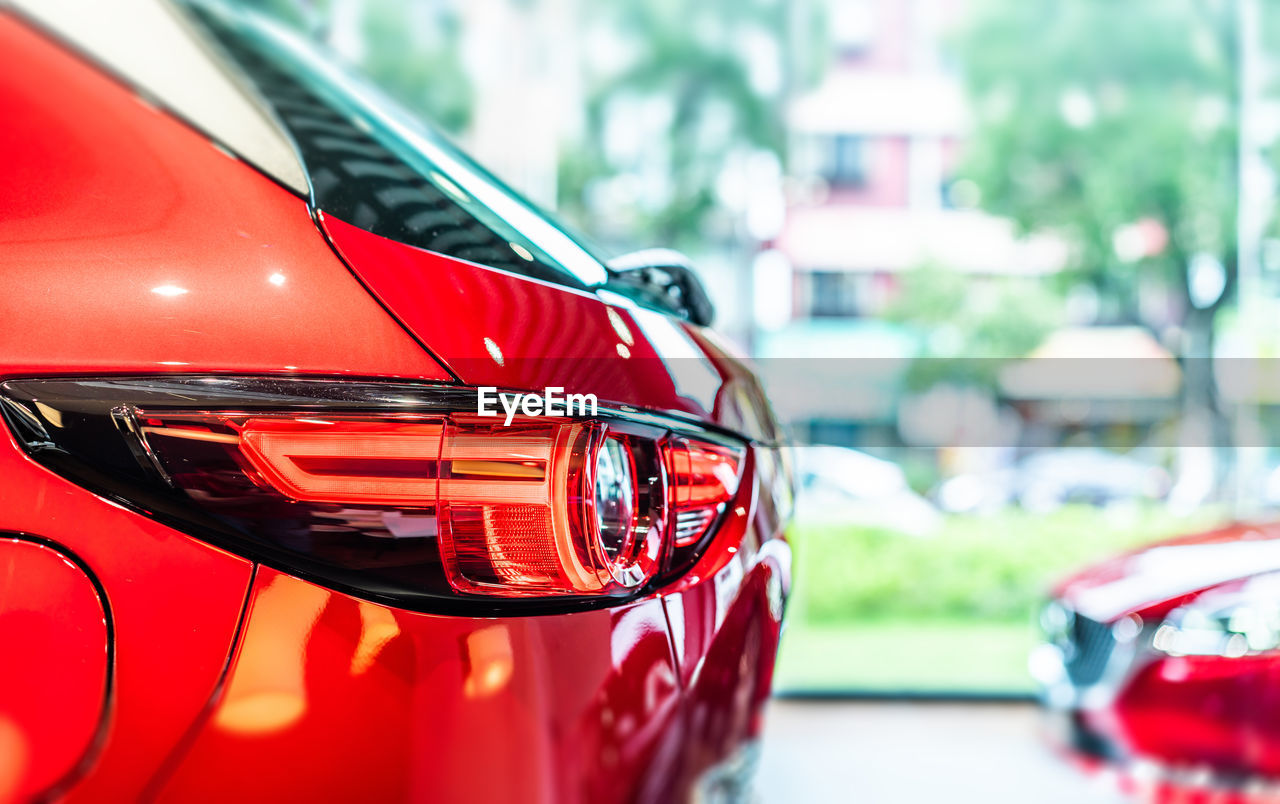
<point>916,753</point>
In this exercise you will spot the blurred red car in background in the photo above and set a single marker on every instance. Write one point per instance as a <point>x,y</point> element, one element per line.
<point>1165,664</point>
<point>258,542</point>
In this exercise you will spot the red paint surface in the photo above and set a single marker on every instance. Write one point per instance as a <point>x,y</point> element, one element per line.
<point>174,602</point>
<point>1205,711</point>
<point>103,199</point>
<point>331,698</point>
<point>53,681</point>
<point>493,328</point>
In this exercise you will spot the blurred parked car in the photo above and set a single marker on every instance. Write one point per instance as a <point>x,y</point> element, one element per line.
<point>1165,661</point>
<point>844,486</point>
<point>1049,479</point>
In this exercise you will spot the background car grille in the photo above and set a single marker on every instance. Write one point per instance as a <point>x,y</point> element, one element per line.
<point>1091,643</point>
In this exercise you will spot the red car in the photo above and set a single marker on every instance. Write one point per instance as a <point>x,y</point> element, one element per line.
<point>1165,662</point>
<point>331,469</point>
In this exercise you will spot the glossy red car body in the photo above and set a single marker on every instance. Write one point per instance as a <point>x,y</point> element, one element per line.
<point>1184,722</point>
<point>145,664</point>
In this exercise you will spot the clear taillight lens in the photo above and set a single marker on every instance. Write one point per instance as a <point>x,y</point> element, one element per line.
<point>392,490</point>
<point>549,508</point>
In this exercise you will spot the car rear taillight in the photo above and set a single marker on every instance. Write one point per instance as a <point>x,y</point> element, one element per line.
<point>704,478</point>
<point>393,490</point>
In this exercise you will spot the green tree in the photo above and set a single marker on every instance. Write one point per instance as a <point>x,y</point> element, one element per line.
<point>409,50</point>
<point>706,60</point>
<point>300,14</point>
<point>412,53</point>
<point>972,327</point>
<point>1095,115</point>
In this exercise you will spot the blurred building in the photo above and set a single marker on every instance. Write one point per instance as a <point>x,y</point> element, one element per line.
<point>874,149</point>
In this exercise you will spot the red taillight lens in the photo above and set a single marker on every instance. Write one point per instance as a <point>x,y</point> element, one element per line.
<point>405,497</point>
<point>316,460</point>
<point>517,508</point>
<point>704,478</point>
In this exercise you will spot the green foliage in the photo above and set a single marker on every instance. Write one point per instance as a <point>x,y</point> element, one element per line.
<point>409,51</point>
<point>422,72</point>
<point>297,14</point>
<point>1094,114</point>
<point>692,59</point>
<point>874,609</point>
<point>985,323</point>
<point>978,568</point>
<point>906,655</point>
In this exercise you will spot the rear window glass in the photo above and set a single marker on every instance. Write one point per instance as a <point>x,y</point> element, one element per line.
<point>375,166</point>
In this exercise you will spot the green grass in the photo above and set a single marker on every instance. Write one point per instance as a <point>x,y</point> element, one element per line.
<point>876,610</point>
<point>908,656</point>
<point>982,568</point>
